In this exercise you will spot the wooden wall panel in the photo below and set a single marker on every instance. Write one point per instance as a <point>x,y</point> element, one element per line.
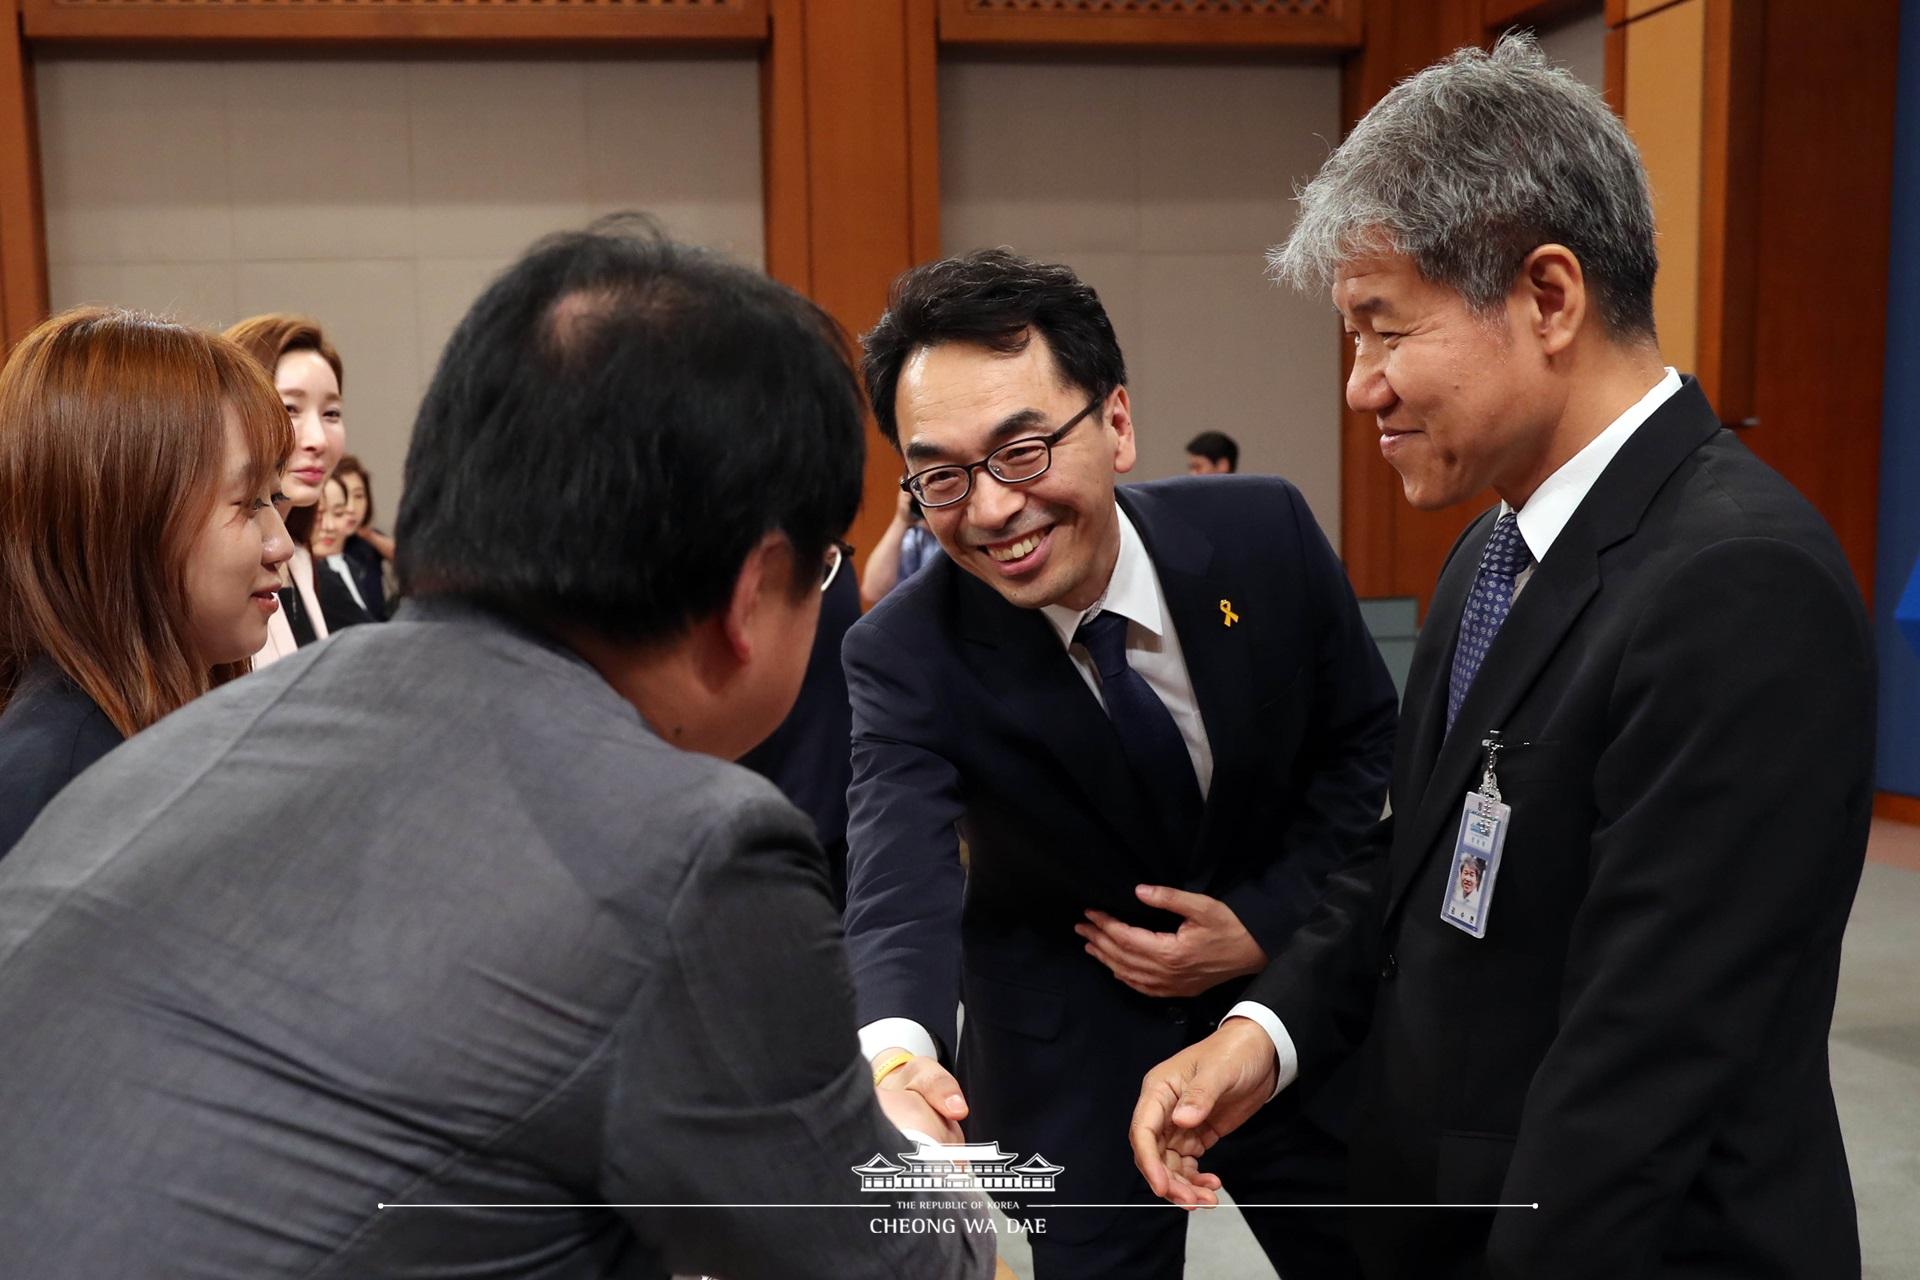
<point>1729,205</point>
<point>1616,72</point>
<point>852,197</point>
<point>23,257</point>
<point>1666,61</point>
<point>1796,184</point>
<point>1162,25</point>
<point>1825,216</point>
<point>1391,549</point>
<point>1498,15</point>
<point>324,22</point>
<point>783,142</point>
<point>923,128</point>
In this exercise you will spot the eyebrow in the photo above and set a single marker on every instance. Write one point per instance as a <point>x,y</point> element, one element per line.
<point>1011,427</point>
<point>1371,306</point>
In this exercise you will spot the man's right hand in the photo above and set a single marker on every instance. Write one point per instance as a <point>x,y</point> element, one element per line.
<point>923,1096</point>
<point>1194,1099</point>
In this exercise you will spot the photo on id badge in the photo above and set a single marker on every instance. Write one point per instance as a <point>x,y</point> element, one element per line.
<point>1468,900</point>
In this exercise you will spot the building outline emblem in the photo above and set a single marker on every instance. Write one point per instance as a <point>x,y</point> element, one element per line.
<point>941,1166</point>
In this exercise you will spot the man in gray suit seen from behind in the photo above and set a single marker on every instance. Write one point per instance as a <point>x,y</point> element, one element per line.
<point>469,910</point>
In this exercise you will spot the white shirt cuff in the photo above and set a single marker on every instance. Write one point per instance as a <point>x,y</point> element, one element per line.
<point>1289,1065</point>
<point>908,1034</point>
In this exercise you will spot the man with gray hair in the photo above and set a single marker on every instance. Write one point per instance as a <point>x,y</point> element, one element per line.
<point>1644,694</point>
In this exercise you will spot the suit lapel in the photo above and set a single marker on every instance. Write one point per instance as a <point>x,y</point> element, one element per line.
<point>1424,717</point>
<point>1218,663</point>
<point>1562,586</point>
<point>1022,663</point>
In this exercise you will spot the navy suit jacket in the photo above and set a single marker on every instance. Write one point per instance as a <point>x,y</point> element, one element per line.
<point>970,718</point>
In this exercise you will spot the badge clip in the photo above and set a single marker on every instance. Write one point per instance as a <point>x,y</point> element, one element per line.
<point>1489,784</point>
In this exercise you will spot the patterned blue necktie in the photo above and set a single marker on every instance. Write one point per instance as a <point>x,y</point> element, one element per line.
<point>1487,604</point>
<point>1149,738</point>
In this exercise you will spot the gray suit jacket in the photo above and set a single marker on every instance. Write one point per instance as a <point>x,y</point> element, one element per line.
<point>426,915</point>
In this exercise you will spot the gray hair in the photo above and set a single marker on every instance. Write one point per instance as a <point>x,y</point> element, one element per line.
<point>1468,167</point>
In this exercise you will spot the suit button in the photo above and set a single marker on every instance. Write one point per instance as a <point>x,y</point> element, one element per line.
<point>1388,968</point>
<point>1177,1014</point>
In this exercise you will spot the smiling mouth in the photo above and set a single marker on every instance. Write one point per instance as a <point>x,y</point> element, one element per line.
<point>1011,551</point>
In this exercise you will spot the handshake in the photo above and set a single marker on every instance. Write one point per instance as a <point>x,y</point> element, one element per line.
<point>1209,947</point>
<point>1187,1104</point>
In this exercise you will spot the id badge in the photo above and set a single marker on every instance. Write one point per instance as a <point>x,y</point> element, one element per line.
<point>1468,900</point>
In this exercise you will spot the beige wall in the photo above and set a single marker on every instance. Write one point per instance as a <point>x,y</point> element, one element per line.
<point>1579,43</point>
<point>377,195</point>
<point>1162,185</point>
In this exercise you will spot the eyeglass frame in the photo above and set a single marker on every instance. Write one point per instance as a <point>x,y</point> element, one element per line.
<point>845,550</point>
<point>1048,441</point>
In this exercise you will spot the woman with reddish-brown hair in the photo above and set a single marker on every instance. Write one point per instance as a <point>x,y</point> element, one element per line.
<point>307,373</point>
<point>140,548</point>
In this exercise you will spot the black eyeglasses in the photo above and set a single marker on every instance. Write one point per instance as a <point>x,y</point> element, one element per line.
<point>1014,462</point>
<point>837,554</point>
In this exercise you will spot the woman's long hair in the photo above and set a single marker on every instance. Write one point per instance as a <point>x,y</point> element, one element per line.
<point>112,439</point>
<point>269,337</point>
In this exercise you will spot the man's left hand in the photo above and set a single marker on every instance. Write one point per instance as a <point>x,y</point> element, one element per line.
<point>1210,946</point>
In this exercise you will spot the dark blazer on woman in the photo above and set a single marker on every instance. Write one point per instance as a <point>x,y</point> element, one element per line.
<point>368,567</point>
<point>49,733</point>
<point>337,605</point>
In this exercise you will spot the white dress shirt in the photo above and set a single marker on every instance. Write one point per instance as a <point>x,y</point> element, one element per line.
<point>1153,651</point>
<point>1541,521</point>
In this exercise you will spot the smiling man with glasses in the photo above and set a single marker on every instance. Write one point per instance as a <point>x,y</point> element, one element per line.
<point>1156,715</point>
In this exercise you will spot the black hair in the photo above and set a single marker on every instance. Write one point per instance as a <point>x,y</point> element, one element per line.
<point>1215,445</point>
<point>998,300</point>
<point>615,424</point>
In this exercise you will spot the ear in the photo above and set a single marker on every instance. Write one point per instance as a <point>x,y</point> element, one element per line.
<point>1119,420</point>
<point>1552,292</point>
<point>768,565</point>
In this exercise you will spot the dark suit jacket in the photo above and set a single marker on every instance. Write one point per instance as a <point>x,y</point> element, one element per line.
<point>807,757</point>
<point>337,605</point>
<point>969,713</point>
<point>1639,1043</point>
<point>369,574</point>
<point>49,733</point>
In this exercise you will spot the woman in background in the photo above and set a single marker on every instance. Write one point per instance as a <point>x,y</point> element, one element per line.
<point>367,550</point>
<point>140,548</point>
<point>341,602</point>
<point>307,373</point>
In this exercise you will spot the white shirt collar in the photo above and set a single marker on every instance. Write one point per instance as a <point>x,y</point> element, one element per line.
<point>1546,513</point>
<point>1131,591</point>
